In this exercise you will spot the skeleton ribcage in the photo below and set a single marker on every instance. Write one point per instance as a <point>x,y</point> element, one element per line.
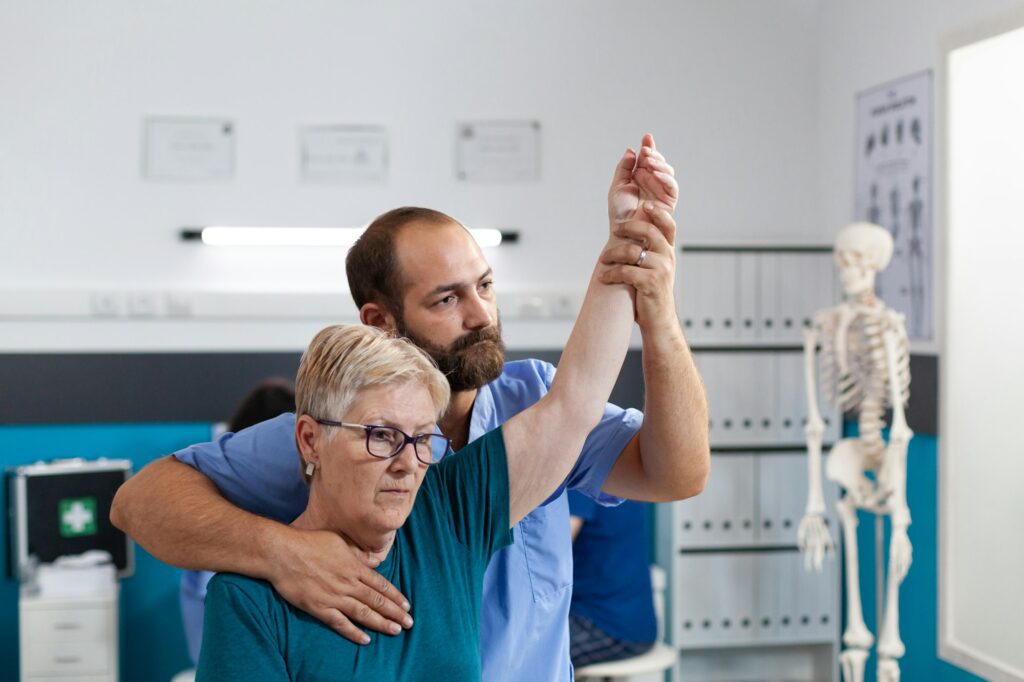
<point>862,386</point>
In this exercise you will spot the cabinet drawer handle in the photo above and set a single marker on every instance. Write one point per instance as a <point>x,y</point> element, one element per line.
<point>67,659</point>
<point>67,626</point>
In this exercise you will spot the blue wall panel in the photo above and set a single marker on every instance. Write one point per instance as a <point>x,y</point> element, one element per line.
<point>152,641</point>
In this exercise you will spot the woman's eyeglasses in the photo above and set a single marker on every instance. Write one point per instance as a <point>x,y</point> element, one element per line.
<point>384,442</point>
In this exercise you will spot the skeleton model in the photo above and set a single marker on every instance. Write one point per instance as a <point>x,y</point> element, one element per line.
<point>865,366</point>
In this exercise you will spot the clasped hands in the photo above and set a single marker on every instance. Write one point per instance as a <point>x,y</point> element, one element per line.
<point>641,247</point>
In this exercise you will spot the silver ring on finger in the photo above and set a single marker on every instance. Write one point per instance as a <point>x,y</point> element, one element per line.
<point>642,258</point>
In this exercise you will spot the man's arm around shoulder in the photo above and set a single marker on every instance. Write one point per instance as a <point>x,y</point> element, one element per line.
<point>179,516</point>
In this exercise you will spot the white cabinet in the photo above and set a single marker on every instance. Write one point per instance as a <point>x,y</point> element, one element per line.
<point>68,638</point>
<point>741,604</point>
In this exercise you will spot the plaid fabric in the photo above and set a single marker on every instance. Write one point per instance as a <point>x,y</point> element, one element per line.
<point>590,644</point>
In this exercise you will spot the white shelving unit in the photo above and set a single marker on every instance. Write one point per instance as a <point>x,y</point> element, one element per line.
<point>741,605</point>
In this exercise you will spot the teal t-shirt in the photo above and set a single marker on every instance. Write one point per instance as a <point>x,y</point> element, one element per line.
<point>460,518</point>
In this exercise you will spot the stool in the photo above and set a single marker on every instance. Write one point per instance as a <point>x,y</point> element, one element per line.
<point>660,657</point>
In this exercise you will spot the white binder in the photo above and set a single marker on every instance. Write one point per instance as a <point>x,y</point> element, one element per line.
<point>795,279</point>
<point>723,297</point>
<point>782,486</point>
<point>714,600</point>
<point>688,293</point>
<point>748,287</point>
<point>768,297</point>
<point>792,401</point>
<point>723,515</point>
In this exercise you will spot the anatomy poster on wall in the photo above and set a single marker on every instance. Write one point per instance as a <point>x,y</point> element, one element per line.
<point>894,190</point>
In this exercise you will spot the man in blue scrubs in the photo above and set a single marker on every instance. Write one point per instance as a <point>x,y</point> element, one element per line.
<point>221,506</point>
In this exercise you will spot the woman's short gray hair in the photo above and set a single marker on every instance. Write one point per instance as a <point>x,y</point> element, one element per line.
<point>343,360</point>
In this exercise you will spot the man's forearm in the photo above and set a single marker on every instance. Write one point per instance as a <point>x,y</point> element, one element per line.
<point>180,517</point>
<point>674,437</point>
<point>669,458</point>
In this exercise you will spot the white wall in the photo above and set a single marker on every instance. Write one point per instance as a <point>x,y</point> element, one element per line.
<point>728,87</point>
<point>979,613</point>
<point>862,44</point>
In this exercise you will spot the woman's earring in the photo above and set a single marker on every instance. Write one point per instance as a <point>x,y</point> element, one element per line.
<point>310,468</point>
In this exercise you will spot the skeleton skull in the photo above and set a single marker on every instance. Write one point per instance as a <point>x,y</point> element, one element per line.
<point>861,251</point>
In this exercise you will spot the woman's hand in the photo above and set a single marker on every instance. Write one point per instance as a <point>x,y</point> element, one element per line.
<point>646,178</point>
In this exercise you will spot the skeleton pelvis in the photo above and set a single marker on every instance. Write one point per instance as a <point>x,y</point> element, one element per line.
<point>847,462</point>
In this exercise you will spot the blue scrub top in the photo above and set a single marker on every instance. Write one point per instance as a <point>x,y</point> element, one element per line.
<point>612,573</point>
<point>524,632</point>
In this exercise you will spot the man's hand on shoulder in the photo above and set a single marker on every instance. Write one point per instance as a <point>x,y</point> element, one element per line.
<point>332,580</point>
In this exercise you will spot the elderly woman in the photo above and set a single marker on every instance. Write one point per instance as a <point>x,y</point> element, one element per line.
<point>367,406</point>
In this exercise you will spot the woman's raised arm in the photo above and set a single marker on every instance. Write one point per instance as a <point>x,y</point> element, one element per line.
<point>544,441</point>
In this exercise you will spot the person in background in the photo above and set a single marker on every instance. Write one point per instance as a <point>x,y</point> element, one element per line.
<point>611,615</point>
<point>272,397</point>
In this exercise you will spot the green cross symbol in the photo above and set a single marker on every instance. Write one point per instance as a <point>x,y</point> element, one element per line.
<point>77,517</point>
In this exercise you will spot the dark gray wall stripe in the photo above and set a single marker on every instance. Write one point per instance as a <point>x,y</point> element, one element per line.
<point>168,387</point>
<point>143,387</point>
<point>923,409</point>
<point>174,387</point>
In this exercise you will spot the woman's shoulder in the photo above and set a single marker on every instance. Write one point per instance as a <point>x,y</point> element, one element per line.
<point>239,588</point>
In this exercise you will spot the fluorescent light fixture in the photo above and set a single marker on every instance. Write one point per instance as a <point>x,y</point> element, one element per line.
<point>487,237</point>
<point>217,235</point>
<point>223,235</point>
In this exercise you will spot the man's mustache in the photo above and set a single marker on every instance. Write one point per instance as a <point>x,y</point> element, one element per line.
<point>474,337</point>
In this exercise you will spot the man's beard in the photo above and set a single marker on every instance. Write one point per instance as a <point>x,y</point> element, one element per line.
<point>470,361</point>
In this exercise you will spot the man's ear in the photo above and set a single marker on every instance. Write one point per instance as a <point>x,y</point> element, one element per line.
<point>376,315</point>
<point>307,437</point>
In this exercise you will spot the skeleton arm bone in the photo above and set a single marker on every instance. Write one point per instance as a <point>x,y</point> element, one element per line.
<point>890,645</point>
<point>893,476</point>
<point>815,428</point>
<point>901,551</point>
<point>813,536</point>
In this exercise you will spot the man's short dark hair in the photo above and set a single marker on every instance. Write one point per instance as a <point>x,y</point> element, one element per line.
<point>372,264</point>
